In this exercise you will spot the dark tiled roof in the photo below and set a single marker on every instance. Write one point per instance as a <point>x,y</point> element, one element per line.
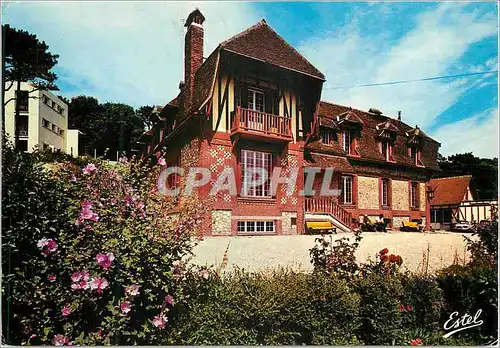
<point>204,80</point>
<point>263,43</point>
<point>449,190</point>
<point>368,146</point>
<point>339,164</point>
<point>328,122</point>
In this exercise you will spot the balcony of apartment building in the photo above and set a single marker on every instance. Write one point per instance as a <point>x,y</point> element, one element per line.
<point>254,117</point>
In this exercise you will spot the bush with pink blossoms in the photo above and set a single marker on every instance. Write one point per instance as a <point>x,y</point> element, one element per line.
<point>91,255</point>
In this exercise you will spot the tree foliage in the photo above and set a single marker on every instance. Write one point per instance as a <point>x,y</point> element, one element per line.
<point>109,127</point>
<point>28,59</point>
<point>484,172</point>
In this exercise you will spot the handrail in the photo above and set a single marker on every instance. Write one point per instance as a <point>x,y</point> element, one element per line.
<point>257,121</point>
<point>329,206</point>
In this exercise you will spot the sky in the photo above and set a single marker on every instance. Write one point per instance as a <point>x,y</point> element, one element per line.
<point>132,52</point>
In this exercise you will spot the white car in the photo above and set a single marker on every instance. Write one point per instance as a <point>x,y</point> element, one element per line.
<point>463,226</point>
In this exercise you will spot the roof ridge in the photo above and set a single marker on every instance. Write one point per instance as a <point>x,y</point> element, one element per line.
<point>454,177</point>
<point>240,34</point>
<point>293,49</point>
<point>262,23</point>
<point>386,116</point>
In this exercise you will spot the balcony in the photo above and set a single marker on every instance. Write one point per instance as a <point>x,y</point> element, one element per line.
<point>255,124</point>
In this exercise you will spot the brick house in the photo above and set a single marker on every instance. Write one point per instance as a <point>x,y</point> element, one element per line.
<point>255,102</point>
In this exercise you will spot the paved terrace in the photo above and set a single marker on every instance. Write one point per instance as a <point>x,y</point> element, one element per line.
<point>260,253</point>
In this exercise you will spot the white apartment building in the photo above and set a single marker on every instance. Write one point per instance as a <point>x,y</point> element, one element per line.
<point>43,119</point>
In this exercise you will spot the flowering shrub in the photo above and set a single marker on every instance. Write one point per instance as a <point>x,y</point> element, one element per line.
<point>336,259</point>
<point>93,256</point>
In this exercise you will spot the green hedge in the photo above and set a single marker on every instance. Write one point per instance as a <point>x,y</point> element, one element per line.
<point>315,309</point>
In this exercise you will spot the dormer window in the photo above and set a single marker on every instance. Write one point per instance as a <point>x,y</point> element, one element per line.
<point>415,155</point>
<point>328,136</point>
<point>347,141</point>
<point>385,149</point>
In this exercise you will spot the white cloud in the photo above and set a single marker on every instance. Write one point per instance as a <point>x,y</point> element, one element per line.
<point>477,134</point>
<point>129,52</point>
<point>432,48</point>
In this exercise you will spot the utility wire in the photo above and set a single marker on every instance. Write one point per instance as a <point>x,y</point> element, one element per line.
<point>417,80</point>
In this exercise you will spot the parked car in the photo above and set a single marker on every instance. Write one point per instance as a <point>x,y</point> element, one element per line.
<point>462,226</point>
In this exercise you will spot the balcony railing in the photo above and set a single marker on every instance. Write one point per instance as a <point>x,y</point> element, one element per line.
<point>261,123</point>
<point>328,206</point>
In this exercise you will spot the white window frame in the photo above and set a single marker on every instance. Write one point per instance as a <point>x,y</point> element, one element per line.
<point>385,192</point>
<point>253,156</point>
<point>256,226</point>
<point>253,93</point>
<point>347,182</point>
<point>387,147</point>
<point>327,133</point>
<point>346,141</point>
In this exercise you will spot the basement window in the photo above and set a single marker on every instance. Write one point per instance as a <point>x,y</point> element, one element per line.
<point>256,226</point>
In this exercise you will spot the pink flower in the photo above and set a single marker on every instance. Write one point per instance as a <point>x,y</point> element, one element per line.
<point>409,308</point>
<point>73,178</point>
<point>89,168</point>
<point>125,307</point>
<point>162,162</point>
<point>42,243</point>
<point>51,278</point>
<point>60,340</point>
<point>105,260</point>
<point>169,300</point>
<point>159,321</point>
<point>204,274</point>
<point>66,311</point>
<point>132,290</point>
<point>47,246</point>
<point>77,276</point>
<point>81,285</point>
<point>98,284</point>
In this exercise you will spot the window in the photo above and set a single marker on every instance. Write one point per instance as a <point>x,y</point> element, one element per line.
<point>45,123</point>
<point>346,189</point>
<point>415,155</point>
<point>414,194</point>
<point>61,132</point>
<point>255,226</point>
<point>346,141</point>
<point>22,100</point>
<point>328,136</point>
<point>254,163</point>
<point>385,192</point>
<point>256,100</point>
<point>45,99</point>
<point>386,150</point>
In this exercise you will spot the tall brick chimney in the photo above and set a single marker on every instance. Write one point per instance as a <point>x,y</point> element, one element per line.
<point>193,53</point>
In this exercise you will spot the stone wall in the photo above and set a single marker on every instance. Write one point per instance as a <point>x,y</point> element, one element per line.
<point>422,196</point>
<point>221,222</point>
<point>368,195</point>
<point>400,195</point>
<point>286,223</point>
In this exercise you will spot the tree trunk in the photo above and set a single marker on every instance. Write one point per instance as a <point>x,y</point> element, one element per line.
<point>4,31</point>
<point>16,116</point>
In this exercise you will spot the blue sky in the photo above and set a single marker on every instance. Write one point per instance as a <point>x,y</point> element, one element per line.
<point>132,52</point>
